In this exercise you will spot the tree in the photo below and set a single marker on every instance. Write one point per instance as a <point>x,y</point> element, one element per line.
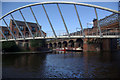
<point>37,43</point>
<point>9,46</point>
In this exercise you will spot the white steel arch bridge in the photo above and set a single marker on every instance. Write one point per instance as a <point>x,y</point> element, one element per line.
<point>100,33</point>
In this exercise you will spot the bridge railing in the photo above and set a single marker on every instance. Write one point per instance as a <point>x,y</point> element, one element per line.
<point>106,31</point>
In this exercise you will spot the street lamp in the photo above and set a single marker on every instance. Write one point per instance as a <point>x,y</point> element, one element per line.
<point>89,23</point>
<point>78,29</point>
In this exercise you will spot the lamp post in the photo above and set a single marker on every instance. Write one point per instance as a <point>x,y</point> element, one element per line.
<point>89,23</point>
<point>78,29</point>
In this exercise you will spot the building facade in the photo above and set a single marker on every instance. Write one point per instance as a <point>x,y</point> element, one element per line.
<point>108,25</point>
<point>25,31</point>
<point>5,31</point>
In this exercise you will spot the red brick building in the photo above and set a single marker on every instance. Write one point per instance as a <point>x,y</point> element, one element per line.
<point>5,31</point>
<point>33,27</point>
<point>23,43</point>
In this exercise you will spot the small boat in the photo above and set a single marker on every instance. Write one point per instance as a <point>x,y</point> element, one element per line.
<point>79,49</point>
<point>60,49</point>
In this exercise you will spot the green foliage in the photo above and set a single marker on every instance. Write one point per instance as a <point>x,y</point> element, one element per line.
<point>89,42</point>
<point>37,43</point>
<point>9,46</point>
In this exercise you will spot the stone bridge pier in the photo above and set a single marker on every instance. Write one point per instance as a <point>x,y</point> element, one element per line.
<point>99,44</point>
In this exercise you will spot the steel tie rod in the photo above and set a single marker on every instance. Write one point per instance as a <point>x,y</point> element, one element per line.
<point>63,20</point>
<point>17,26</point>
<point>3,34</point>
<point>9,29</point>
<point>26,24</point>
<point>37,22</point>
<point>79,20</point>
<point>98,24</point>
<point>49,21</point>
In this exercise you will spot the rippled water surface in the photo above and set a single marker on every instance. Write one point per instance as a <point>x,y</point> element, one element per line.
<point>62,65</point>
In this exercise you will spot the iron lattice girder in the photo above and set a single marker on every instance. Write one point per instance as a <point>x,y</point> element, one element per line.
<point>108,20</point>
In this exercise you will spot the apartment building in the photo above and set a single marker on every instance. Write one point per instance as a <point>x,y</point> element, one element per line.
<point>25,31</point>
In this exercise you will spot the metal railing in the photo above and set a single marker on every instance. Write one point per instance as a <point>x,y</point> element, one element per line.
<point>106,31</point>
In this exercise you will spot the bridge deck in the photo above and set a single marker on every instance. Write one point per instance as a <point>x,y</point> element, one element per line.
<point>64,37</point>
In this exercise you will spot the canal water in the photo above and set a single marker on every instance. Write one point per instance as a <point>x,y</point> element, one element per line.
<point>62,65</point>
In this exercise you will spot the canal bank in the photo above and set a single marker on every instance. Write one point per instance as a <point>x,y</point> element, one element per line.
<point>31,52</point>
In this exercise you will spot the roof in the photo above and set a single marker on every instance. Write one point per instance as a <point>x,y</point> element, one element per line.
<point>4,27</point>
<point>22,23</point>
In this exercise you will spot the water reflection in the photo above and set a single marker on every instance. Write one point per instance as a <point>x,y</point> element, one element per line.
<point>62,65</point>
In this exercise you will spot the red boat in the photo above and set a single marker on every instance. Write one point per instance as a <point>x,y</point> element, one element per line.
<point>60,49</point>
<point>69,49</point>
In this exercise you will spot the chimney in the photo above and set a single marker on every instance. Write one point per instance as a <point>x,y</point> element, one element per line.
<point>94,23</point>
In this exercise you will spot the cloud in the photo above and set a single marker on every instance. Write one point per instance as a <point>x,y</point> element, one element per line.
<point>90,23</point>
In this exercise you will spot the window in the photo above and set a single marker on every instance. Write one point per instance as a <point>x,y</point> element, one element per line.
<point>26,34</point>
<point>20,44</point>
<point>33,29</point>
<point>21,28</point>
<point>6,33</point>
<point>33,34</point>
<point>26,29</point>
<point>38,28</point>
<point>15,26</point>
<point>14,32</point>
<point>19,34</point>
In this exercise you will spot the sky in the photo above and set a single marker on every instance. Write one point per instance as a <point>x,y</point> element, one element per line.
<point>86,14</point>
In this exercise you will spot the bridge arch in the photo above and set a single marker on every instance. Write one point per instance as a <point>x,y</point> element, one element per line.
<point>61,2</point>
<point>54,45</point>
<point>65,44</point>
<point>50,45</point>
<point>27,34</point>
<point>43,3</point>
<point>79,42</point>
<point>59,45</point>
<point>71,43</point>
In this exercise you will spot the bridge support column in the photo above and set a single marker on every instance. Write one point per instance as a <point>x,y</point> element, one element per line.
<point>109,44</point>
<point>89,46</point>
<point>75,45</point>
<point>48,45</point>
<point>85,45</point>
<point>100,45</point>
